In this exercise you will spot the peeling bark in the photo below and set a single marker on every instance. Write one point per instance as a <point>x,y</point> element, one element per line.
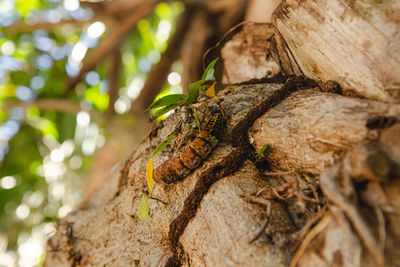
<point>355,43</point>
<point>245,55</point>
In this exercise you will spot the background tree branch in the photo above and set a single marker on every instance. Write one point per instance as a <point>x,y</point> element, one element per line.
<point>111,42</point>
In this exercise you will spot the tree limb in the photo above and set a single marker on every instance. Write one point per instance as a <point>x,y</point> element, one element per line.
<point>112,41</point>
<point>48,26</point>
<point>52,104</point>
<point>158,74</point>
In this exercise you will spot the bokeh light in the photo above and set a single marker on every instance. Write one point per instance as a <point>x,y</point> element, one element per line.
<point>88,146</point>
<point>92,78</point>
<point>52,16</point>
<point>29,252</point>
<point>8,182</point>
<point>135,87</point>
<point>37,82</point>
<point>96,29</point>
<point>68,147</point>
<point>17,113</point>
<point>72,68</point>
<point>22,211</point>
<point>58,52</point>
<point>122,105</point>
<point>24,93</point>
<point>164,29</point>
<point>35,199</point>
<point>174,78</point>
<point>57,155</point>
<point>64,210</point>
<point>154,56</point>
<point>8,48</point>
<point>42,41</point>
<point>78,52</point>
<point>83,119</point>
<point>10,63</point>
<point>144,65</point>
<point>44,62</point>
<point>71,5</point>
<point>75,162</point>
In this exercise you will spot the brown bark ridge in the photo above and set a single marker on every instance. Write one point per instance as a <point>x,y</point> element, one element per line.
<point>355,43</point>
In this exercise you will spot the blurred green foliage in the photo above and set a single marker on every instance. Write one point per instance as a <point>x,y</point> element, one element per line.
<point>45,152</point>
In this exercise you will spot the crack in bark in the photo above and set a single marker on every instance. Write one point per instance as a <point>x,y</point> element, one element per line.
<point>231,163</point>
<point>239,132</point>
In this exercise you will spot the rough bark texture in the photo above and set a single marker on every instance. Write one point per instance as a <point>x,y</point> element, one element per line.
<point>107,226</point>
<point>223,218</point>
<point>310,130</point>
<point>355,43</point>
<point>206,221</point>
<point>325,193</point>
<point>249,50</point>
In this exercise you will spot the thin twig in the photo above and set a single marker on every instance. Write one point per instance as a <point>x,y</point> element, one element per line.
<point>309,237</point>
<point>299,235</point>
<point>257,200</point>
<point>331,190</point>
<point>160,200</point>
<point>381,228</point>
<point>276,194</point>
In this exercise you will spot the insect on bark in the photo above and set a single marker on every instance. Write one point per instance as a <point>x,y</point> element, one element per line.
<point>192,155</point>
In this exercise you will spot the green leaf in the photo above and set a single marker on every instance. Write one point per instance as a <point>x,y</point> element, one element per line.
<point>194,89</point>
<point>196,119</point>
<point>162,111</point>
<point>264,149</point>
<point>163,144</point>
<point>209,72</point>
<point>143,209</point>
<point>167,100</point>
<point>149,175</point>
<point>193,93</point>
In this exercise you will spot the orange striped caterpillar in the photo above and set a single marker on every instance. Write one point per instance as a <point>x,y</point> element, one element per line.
<point>191,156</point>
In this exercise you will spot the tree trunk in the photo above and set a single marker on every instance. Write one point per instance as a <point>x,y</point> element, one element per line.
<point>326,191</point>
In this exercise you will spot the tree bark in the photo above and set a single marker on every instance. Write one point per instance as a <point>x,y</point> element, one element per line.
<point>355,43</point>
<point>207,206</point>
<point>325,192</point>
